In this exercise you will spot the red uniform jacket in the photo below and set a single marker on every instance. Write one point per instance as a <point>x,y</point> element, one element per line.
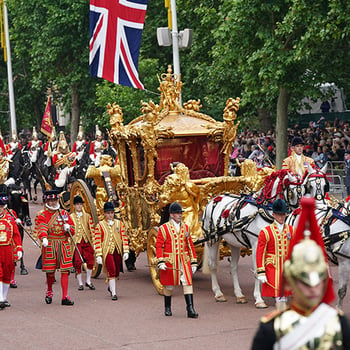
<point>270,255</point>
<point>57,255</point>
<point>9,234</point>
<point>176,250</point>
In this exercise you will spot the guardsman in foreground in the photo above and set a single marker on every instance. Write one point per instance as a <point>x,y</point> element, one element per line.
<point>10,250</point>
<point>176,259</point>
<point>111,246</point>
<point>54,227</point>
<point>310,322</point>
<point>84,230</point>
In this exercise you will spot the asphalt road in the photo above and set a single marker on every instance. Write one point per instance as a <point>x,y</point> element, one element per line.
<point>136,320</point>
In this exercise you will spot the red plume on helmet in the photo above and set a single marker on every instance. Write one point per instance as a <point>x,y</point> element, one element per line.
<point>2,146</point>
<point>307,221</point>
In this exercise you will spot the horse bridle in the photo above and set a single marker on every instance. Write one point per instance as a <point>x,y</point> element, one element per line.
<point>319,194</point>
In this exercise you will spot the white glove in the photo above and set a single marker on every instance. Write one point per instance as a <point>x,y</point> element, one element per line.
<point>18,221</point>
<point>125,256</point>
<point>66,227</point>
<point>45,242</point>
<point>162,266</point>
<point>99,259</point>
<point>19,255</point>
<point>262,279</point>
<point>194,269</point>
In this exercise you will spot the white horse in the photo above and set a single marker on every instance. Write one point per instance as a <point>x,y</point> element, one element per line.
<point>335,229</point>
<point>238,220</point>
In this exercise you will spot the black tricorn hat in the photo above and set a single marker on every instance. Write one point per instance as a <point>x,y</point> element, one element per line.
<point>297,141</point>
<point>78,199</point>
<point>109,206</point>
<point>279,206</point>
<point>175,208</point>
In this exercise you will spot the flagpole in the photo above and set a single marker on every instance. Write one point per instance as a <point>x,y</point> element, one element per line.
<point>175,40</point>
<point>13,125</point>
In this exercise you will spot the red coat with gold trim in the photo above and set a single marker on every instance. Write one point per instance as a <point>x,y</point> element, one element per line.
<point>270,255</point>
<point>9,233</point>
<point>57,255</point>
<point>176,250</point>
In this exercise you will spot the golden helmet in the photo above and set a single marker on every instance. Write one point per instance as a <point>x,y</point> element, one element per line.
<point>307,262</point>
<point>98,131</point>
<point>80,132</point>
<point>14,136</point>
<point>53,134</point>
<point>34,134</point>
<point>62,144</point>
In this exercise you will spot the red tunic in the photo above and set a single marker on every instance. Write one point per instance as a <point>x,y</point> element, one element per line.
<point>176,250</point>
<point>270,254</point>
<point>57,255</point>
<point>10,243</point>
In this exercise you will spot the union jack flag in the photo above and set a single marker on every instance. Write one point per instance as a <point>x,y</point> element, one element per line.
<point>115,39</point>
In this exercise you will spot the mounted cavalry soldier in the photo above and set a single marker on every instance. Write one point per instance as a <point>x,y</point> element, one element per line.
<point>50,147</point>
<point>14,145</point>
<point>310,322</point>
<point>64,162</point>
<point>80,144</point>
<point>84,231</point>
<point>96,148</point>
<point>53,227</point>
<point>34,146</point>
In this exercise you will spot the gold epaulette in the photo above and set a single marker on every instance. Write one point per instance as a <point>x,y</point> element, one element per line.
<point>270,316</point>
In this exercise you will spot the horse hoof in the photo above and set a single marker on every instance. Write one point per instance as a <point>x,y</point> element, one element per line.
<point>241,300</point>
<point>261,305</point>
<point>220,299</point>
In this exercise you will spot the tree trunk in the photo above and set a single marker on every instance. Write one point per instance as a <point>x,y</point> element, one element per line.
<point>281,127</point>
<point>75,115</point>
<point>265,121</point>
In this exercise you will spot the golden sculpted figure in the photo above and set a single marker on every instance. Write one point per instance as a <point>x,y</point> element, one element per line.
<point>4,167</point>
<point>178,187</point>
<point>103,174</point>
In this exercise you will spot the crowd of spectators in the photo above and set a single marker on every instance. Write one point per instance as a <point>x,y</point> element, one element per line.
<point>324,141</point>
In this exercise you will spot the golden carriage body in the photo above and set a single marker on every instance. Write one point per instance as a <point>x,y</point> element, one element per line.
<point>172,153</point>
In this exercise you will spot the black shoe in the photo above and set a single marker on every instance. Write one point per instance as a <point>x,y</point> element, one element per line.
<point>114,297</point>
<point>13,284</point>
<point>24,271</point>
<point>48,297</point>
<point>90,286</point>
<point>67,301</point>
<point>81,287</point>
<point>2,305</point>
<point>7,304</point>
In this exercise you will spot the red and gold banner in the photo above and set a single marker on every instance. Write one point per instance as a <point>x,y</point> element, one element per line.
<point>46,124</point>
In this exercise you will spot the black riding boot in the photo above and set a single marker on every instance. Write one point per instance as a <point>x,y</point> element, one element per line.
<point>167,304</point>
<point>190,310</point>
